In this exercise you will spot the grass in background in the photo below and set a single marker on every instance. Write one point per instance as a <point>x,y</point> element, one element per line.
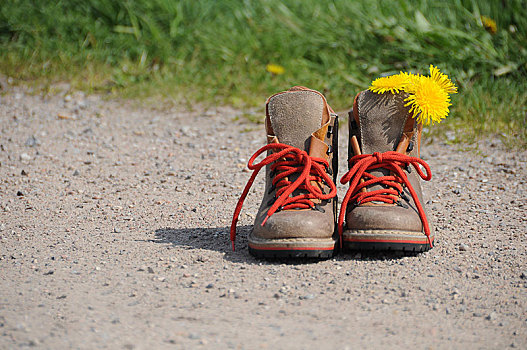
<point>217,51</point>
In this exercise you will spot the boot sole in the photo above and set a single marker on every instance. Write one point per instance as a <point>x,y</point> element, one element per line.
<point>292,248</point>
<point>385,241</point>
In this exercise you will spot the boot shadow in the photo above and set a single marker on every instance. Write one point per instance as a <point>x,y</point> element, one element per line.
<point>217,239</point>
<point>211,238</point>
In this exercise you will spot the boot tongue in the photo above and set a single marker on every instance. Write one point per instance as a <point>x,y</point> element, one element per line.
<point>295,115</point>
<point>382,118</point>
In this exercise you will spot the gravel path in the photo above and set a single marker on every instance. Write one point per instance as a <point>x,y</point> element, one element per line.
<point>114,234</point>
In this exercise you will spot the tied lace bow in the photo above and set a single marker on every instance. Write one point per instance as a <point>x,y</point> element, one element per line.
<point>392,161</point>
<point>288,160</point>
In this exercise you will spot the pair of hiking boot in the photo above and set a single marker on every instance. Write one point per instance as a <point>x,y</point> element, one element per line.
<point>299,214</point>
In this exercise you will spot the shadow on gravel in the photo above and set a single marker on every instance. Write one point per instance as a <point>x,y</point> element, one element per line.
<point>217,239</point>
<point>212,238</point>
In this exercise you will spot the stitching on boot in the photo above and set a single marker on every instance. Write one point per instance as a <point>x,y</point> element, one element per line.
<point>402,128</point>
<point>361,98</point>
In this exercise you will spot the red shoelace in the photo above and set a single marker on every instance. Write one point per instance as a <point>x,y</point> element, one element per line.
<point>393,161</point>
<point>288,160</point>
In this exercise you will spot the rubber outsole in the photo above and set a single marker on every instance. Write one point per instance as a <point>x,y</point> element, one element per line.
<point>293,248</point>
<point>386,246</point>
<point>292,253</point>
<point>386,241</point>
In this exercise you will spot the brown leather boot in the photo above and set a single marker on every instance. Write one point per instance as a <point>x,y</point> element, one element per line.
<point>298,211</point>
<point>383,208</point>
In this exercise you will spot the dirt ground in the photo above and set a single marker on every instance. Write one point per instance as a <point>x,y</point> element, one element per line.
<point>114,226</point>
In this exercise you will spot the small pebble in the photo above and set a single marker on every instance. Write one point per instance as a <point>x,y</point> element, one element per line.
<point>492,316</point>
<point>307,297</point>
<point>32,141</point>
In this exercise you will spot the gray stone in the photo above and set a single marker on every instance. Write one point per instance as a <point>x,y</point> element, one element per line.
<point>463,247</point>
<point>492,316</point>
<point>32,141</point>
<point>25,157</point>
<point>307,297</point>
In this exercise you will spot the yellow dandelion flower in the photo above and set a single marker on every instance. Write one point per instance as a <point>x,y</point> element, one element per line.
<point>442,80</point>
<point>429,98</point>
<point>489,24</point>
<point>275,69</point>
<point>430,102</point>
<point>411,85</point>
<point>393,83</point>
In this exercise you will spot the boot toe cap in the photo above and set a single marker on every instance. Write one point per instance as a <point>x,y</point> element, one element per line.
<point>383,218</point>
<point>294,224</point>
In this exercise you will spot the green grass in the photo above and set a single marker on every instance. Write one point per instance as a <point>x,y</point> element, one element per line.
<point>217,51</point>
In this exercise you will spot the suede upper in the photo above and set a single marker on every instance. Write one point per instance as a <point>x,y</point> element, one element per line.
<point>381,120</point>
<point>299,117</point>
